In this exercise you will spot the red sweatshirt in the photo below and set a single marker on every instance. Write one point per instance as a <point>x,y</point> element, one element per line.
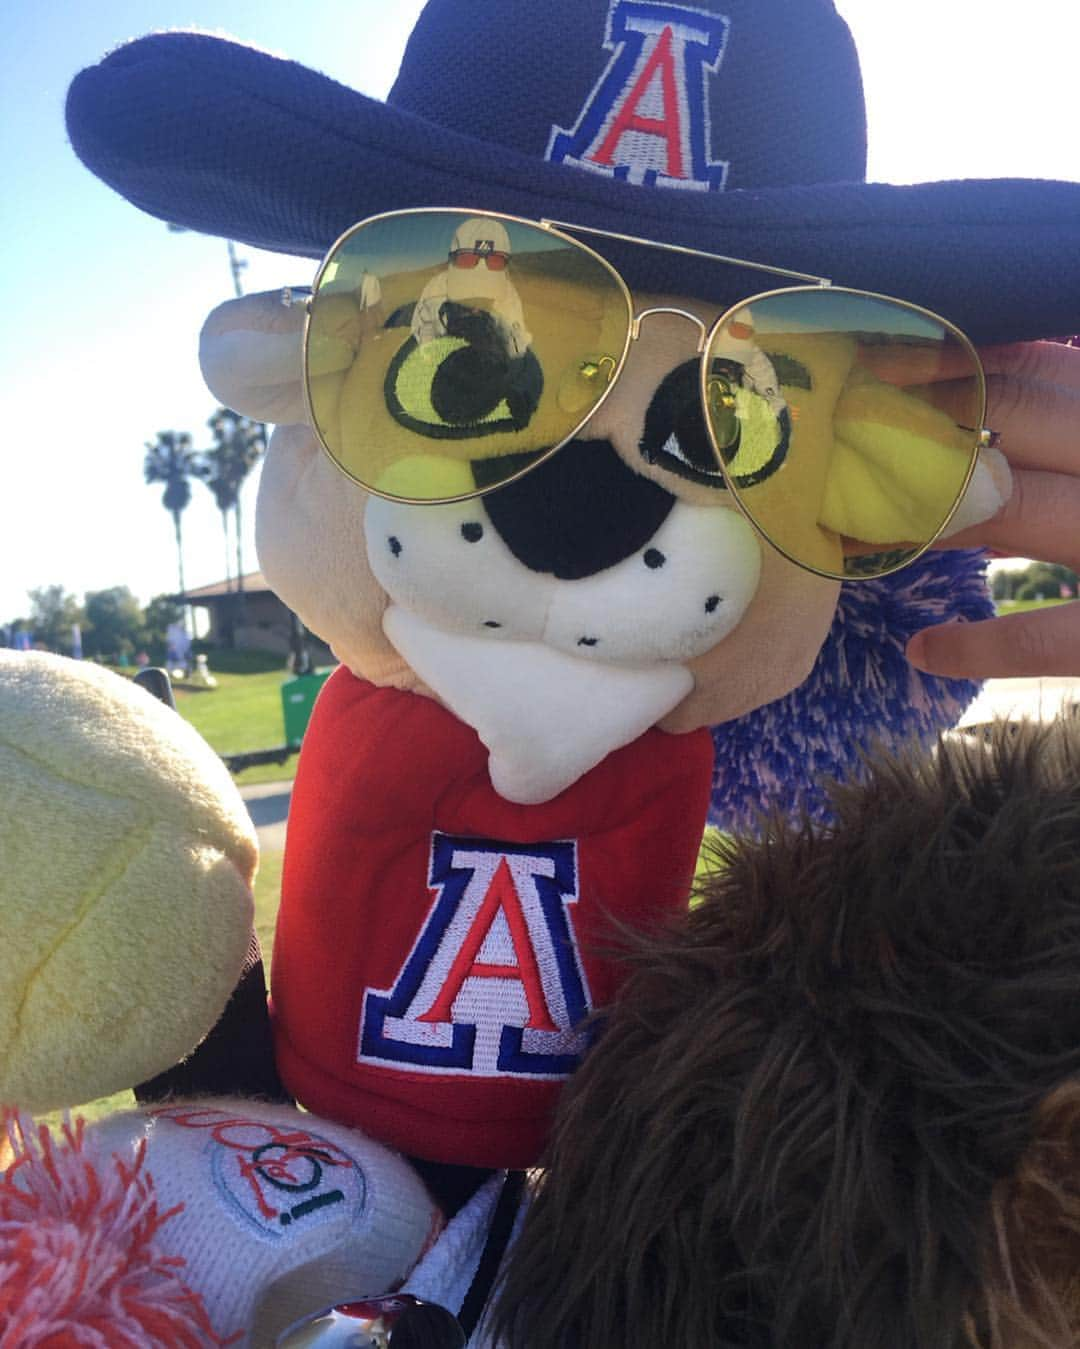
<point>437,946</point>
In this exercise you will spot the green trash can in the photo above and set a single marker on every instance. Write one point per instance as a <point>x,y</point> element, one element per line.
<point>297,699</point>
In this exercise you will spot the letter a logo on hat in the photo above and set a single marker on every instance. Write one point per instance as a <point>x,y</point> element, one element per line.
<point>647,118</point>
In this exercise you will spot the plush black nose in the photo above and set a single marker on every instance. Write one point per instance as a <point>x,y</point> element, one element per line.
<point>579,513</point>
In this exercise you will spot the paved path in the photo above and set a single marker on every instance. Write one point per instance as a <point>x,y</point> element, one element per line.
<point>268,806</point>
<point>1023,698</point>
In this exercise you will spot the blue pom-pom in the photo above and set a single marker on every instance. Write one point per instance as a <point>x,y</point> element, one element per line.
<point>862,691</point>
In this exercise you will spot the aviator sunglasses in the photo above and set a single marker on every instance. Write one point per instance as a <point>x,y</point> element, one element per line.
<point>447,353</point>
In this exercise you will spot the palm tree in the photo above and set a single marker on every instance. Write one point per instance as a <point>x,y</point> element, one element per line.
<point>171,460</point>
<point>238,445</point>
<point>213,471</point>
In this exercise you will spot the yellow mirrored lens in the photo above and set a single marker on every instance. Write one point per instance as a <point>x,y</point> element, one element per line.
<point>447,349</point>
<point>847,424</point>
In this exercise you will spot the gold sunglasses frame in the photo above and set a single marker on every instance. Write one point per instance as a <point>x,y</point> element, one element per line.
<point>560,229</point>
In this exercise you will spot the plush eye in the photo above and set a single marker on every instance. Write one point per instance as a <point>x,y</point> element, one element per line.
<point>749,418</point>
<point>452,389</point>
<point>674,435</point>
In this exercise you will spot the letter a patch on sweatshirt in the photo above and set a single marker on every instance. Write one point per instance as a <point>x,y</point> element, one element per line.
<point>494,985</point>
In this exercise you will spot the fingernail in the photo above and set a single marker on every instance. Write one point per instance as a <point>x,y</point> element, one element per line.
<point>916,651</point>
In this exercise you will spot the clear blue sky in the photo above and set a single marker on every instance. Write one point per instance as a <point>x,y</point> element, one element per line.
<point>102,305</point>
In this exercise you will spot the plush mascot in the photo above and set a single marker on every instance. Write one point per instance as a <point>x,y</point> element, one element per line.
<point>839,1106</point>
<point>563,497</point>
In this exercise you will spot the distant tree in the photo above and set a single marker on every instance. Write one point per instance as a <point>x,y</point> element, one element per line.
<point>53,613</point>
<point>239,444</point>
<point>1038,580</point>
<point>212,469</point>
<point>114,623</point>
<point>1069,581</point>
<point>171,460</point>
<point>1045,580</point>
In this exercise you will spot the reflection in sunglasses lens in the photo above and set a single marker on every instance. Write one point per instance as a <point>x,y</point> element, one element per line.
<point>443,349</point>
<point>847,424</point>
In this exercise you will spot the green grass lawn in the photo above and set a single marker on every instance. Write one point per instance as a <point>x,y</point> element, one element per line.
<point>1025,606</point>
<point>244,712</point>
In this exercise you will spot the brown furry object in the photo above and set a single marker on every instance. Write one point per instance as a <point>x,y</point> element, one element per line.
<point>840,1105</point>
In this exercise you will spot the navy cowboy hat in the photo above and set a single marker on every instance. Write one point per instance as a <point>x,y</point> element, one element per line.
<point>734,126</point>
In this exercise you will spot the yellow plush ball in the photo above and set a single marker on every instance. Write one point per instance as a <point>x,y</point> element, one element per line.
<point>126,862</point>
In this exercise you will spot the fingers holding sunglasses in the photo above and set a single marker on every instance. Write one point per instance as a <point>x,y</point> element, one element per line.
<point>1050,363</point>
<point>1032,390</point>
<point>1038,423</point>
<point>1040,519</point>
<point>1047,363</point>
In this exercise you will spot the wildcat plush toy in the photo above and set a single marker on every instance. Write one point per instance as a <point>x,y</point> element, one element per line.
<point>839,1104</point>
<point>554,530</point>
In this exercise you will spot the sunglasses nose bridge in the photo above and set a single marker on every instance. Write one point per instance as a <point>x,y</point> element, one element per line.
<point>639,319</point>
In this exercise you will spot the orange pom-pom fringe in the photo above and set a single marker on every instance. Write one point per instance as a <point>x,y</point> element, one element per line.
<point>81,1266</point>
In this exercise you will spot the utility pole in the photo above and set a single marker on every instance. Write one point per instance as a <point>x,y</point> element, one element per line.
<point>300,654</point>
<point>236,266</point>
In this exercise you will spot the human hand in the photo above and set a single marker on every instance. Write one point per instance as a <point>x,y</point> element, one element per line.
<point>1033,402</point>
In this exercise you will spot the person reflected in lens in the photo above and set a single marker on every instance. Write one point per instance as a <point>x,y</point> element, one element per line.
<point>474,298</point>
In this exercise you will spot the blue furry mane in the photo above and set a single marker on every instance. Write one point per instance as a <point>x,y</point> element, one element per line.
<point>861,691</point>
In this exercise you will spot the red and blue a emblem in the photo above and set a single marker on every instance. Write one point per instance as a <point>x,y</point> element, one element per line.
<point>647,118</point>
<point>493,986</point>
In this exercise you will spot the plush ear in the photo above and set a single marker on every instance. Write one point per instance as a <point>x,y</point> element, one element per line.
<point>310,517</point>
<point>125,890</point>
<point>251,353</point>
